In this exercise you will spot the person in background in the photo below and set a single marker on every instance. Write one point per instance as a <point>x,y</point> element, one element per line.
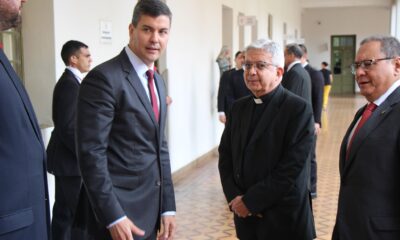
<point>224,59</point>
<point>328,79</point>
<point>24,201</point>
<point>121,145</point>
<point>231,87</point>
<point>61,153</point>
<point>369,166</point>
<point>317,90</point>
<point>263,153</point>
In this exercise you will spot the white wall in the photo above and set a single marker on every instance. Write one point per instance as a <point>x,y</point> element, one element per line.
<point>318,24</point>
<point>193,74</point>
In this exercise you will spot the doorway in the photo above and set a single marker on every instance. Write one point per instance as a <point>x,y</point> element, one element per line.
<point>342,56</point>
<point>11,43</point>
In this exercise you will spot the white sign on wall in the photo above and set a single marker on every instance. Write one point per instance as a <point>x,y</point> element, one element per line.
<point>105,32</point>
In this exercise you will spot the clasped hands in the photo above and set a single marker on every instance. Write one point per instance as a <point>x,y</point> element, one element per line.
<point>239,208</point>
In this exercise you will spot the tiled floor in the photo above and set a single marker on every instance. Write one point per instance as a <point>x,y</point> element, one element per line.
<point>202,212</point>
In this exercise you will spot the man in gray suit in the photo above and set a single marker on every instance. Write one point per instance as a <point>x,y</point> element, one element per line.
<point>369,196</point>
<point>122,150</point>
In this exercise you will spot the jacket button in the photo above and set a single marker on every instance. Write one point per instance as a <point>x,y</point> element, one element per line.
<point>158,183</point>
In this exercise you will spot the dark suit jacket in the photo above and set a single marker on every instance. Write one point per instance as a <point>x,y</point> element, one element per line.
<point>270,171</point>
<point>61,153</point>
<point>231,88</point>
<point>24,206</point>
<point>369,196</point>
<point>298,82</point>
<point>122,150</point>
<point>317,91</point>
<point>224,99</point>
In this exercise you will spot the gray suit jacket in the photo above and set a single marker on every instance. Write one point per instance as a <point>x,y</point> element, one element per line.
<point>369,197</point>
<point>122,150</point>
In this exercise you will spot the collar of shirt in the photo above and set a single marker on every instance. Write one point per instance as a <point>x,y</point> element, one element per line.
<point>304,64</point>
<point>141,69</point>
<point>78,75</point>
<point>292,64</point>
<point>382,98</point>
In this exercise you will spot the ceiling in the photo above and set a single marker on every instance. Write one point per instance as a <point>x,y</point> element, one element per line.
<point>345,3</point>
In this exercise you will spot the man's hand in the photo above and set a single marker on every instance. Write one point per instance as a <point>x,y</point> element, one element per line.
<point>168,228</point>
<point>222,118</point>
<point>238,207</point>
<point>123,230</point>
<point>317,128</point>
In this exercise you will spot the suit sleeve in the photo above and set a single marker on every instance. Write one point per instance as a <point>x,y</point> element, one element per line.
<point>224,92</point>
<point>225,163</point>
<point>294,155</point>
<point>95,113</point>
<point>317,94</point>
<point>65,98</point>
<point>168,188</point>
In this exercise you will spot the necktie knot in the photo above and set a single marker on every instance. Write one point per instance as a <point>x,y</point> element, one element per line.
<point>150,75</point>
<point>371,107</point>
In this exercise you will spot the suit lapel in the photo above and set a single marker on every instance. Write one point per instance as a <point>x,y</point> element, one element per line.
<point>162,96</point>
<point>134,80</point>
<point>373,122</point>
<point>22,93</point>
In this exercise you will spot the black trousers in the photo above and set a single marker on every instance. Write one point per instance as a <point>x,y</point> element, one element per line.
<point>66,200</point>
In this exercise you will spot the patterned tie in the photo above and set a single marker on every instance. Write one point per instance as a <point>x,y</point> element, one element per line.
<point>154,102</point>
<point>366,114</point>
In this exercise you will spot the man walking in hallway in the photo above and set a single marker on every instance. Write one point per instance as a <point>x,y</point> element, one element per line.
<point>24,201</point>
<point>122,149</point>
<point>61,154</point>
<point>369,164</point>
<point>263,154</point>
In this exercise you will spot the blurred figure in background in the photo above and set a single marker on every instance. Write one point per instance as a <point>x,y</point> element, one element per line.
<point>328,80</point>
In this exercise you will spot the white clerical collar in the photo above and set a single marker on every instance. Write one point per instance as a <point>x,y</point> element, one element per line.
<point>258,100</point>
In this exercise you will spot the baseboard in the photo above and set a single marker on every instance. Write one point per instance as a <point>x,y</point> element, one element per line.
<point>197,163</point>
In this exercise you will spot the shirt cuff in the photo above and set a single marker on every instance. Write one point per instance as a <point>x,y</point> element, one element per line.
<point>221,113</point>
<point>169,213</point>
<point>116,221</point>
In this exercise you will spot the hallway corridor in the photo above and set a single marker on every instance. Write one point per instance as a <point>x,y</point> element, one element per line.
<point>202,212</point>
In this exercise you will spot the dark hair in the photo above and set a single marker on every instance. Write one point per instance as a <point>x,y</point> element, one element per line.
<point>325,64</point>
<point>71,48</point>
<point>294,49</point>
<point>153,8</point>
<point>237,54</point>
<point>303,48</point>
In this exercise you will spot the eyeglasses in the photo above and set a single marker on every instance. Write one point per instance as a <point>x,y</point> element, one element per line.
<point>259,65</point>
<point>366,64</point>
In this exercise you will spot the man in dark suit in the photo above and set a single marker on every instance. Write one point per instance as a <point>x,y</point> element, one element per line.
<point>231,87</point>
<point>369,196</point>
<point>61,155</point>
<point>263,153</point>
<point>317,91</point>
<point>122,150</point>
<point>296,78</point>
<point>24,206</point>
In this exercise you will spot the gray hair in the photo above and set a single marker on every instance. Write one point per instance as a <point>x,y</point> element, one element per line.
<point>390,46</point>
<point>270,47</point>
<point>294,49</point>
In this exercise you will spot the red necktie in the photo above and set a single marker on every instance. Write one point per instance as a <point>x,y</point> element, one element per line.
<point>154,102</point>
<point>366,114</point>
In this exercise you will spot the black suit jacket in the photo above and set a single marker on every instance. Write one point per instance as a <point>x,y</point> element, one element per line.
<point>270,170</point>
<point>122,150</point>
<point>317,91</point>
<point>298,82</point>
<point>232,87</point>
<point>61,153</point>
<point>369,196</point>
<point>224,99</point>
<point>24,206</point>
